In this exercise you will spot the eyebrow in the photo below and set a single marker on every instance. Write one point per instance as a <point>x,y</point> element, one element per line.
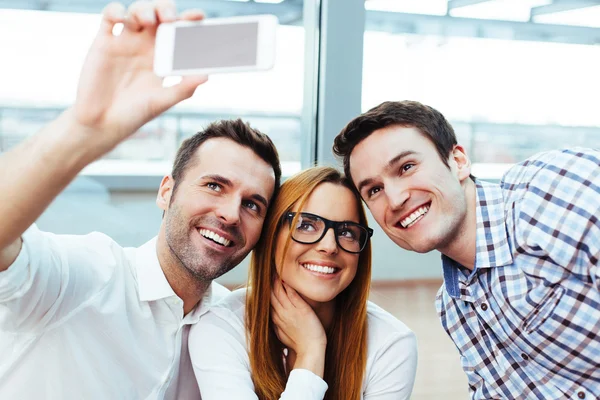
<point>227,182</point>
<point>218,178</point>
<point>260,199</point>
<point>390,165</point>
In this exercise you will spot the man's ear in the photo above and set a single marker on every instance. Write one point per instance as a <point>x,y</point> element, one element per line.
<point>463,163</point>
<point>163,199</point>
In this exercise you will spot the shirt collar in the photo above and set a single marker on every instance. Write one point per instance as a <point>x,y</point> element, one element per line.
<point>492,246</point>
<point>152,283</point>
<point>205,303</point>
<point>493,249</point>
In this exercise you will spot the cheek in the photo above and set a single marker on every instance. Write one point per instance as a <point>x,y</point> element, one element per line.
<point>252,232</point>
<point>352,264</point>
<point>174,217</point>
<point>452,196</point>
<point>279,245</point>
<point>291,255</point>
<point>350,272</point>
<point>287,266</point>
<point>377,209</point>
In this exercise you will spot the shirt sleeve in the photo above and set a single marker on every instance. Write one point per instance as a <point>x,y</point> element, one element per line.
<point>52,277</point>
<point>392,375</point>
<point>557,210</point>
<point>222,367</point>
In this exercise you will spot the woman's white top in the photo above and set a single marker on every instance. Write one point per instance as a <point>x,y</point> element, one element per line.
<point>221,364</point>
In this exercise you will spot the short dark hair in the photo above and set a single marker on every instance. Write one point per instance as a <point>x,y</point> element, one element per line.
<point>406,113</point>
<point>236,130</point>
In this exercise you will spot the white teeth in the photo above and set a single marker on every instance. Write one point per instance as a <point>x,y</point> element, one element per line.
<point>319,268</point>
<point>211,235</point>
<point>412,218</point>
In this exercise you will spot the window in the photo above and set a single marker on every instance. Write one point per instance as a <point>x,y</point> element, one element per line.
<point>43,52</point>
<point>509,87</point>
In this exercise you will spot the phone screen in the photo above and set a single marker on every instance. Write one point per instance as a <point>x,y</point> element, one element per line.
<point>211,46</point>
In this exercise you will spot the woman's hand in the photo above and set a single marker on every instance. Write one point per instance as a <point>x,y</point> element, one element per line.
<point>298,328</point>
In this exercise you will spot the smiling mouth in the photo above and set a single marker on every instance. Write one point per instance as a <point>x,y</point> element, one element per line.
<point>320,269</point>
<point>210,235</point>
<point>414,217</point>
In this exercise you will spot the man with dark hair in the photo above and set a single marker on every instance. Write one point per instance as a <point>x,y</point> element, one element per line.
<point>236,130</point>
<point>521,293</point>
<point>82,317</point>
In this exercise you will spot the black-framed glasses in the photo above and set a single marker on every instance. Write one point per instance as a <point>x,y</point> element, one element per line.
<point>311,228</point>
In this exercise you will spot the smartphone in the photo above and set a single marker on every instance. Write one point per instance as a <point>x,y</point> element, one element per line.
<point>217,45</point>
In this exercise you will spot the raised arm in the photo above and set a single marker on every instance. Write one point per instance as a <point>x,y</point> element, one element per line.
<point>117,94</point>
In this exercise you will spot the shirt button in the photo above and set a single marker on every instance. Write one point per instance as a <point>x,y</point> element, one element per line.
<point>581,395</point>
<point>524,356</point>
<point>484,307</point>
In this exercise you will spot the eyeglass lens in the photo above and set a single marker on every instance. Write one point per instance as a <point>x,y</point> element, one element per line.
<point>309,229</point>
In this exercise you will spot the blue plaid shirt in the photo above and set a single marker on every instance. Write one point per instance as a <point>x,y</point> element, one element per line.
<point>526,320</point>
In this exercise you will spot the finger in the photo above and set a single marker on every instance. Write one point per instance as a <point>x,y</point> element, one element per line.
<point>281,295</point>
<point>276,295</point>
<point>275,317</point>
<point>113,13</point>
<point>275,303</point>
<point>293,296</point>
<point>166,10</point>
<point>283,338</point>
<point>177,93</point>
<point>191,15</point>
<point>140,15</point>
<point>276,329</point>
<point>280,335</point>
<point>277,287</point>
<point>278,322</point>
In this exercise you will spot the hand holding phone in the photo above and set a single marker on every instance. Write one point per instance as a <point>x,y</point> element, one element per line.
<point>218,45</point>
<point>118,91</point>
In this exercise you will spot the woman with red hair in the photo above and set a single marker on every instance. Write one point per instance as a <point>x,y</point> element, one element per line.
<point>304,328</point>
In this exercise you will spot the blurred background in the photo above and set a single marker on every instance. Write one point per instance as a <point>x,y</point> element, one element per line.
<point>514,77</point>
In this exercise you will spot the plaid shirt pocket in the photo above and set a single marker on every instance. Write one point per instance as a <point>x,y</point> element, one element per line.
<point>543,310</point>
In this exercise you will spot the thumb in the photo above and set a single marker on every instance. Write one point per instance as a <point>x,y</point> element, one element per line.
<point>283,338</point>
<point>181,91</point>
<point>294,297</point>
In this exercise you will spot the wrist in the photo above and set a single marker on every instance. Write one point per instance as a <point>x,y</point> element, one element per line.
<point>83,144</point>
<point>313,361</point>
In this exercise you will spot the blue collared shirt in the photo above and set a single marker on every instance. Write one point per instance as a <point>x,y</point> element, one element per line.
<point>526,320</point>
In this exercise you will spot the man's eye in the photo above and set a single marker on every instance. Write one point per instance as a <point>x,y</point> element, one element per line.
<point>214,186</point>
<point>251,205</point>
<point>373,191</point>
<point>407,166</point>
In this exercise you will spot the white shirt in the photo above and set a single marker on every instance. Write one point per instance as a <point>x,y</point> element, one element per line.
<point>83,318</point>
<point>220,360</point>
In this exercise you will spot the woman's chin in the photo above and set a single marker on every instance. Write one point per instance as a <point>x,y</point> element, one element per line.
<point>316,299</point>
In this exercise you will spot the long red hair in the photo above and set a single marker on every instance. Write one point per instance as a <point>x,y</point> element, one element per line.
<point>346,355</point>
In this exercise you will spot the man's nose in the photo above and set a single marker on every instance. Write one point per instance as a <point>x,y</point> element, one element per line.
<point>397,196</point>
<point>229,211</point>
